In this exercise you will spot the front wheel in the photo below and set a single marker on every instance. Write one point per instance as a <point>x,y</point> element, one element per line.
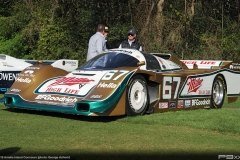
<point>218,92</point>
<point>137,96</point>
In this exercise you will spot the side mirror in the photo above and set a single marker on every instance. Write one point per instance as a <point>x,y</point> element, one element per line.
<point>141,63</point>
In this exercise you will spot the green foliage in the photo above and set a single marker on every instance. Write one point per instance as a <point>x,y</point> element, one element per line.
<point>15,46</point>
<point>61,29</point>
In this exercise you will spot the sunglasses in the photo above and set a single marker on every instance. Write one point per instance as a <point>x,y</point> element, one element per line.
<point>130,35</point>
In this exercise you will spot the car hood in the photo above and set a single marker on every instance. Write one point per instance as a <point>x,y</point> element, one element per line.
<point>80,83</point>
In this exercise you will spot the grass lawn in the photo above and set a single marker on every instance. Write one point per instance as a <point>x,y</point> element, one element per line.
<point>195,134</point>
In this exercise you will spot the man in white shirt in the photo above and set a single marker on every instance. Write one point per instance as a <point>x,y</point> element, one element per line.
<point>96,43</point>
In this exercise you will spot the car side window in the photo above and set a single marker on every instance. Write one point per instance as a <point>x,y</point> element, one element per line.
<point>152,63</point>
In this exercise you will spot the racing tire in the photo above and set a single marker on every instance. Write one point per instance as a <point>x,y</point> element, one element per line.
<point>137,96</point>
<point>218,92</point>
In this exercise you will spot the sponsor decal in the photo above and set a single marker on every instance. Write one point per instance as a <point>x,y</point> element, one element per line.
<point>34,68</point>
<point>122,51</point>
<point>161,62</point>
<point>15,90</point>
<point>172,104</point>
<point>187,104</point>
<point>189,62</point>
<point>96,96</point>
<point>69,81</point>
<point>194,84</point>
<point>29,71</point>
<point>208,62</point>
<point>8,76</point>
<point>180,104</point>
<point>56,103</point>
<point>201,62</point>
<point>59,99</point>
<point>197,102</point>
<point>163,105</point>
<point>72,63</point>
<point>26,75</point>
<point>106,85</point>
<point>203,92</point>
<point>234,66</point>
<point>23,80</point>
<point>65,90</point>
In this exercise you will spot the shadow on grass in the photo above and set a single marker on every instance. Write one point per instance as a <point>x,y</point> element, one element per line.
<point>67,116</point>
<point>9,151</point>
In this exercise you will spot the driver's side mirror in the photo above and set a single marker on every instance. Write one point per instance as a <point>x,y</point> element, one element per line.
<point>141,63</point>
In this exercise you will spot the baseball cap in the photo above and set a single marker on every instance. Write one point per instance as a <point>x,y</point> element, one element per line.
<point>132,31</point>
<point>106,28</point>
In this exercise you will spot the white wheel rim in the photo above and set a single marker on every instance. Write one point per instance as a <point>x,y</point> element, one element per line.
<point>138,96</point>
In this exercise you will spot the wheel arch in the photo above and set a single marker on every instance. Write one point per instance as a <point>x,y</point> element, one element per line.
<point>223,80</point>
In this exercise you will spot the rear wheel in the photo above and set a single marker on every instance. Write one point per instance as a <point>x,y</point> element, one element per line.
<point>137,96</point>
<point>218,92</point>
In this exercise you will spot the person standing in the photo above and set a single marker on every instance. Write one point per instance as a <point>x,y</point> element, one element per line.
<point>131,42</point>
<point>106,35</point>
<point>96,44</point>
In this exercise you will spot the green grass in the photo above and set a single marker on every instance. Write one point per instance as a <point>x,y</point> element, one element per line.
<point>195,133</point>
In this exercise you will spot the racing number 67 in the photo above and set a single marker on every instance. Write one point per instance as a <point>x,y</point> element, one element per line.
<point>168,87</point>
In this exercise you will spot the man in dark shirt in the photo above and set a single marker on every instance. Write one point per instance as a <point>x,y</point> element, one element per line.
<point>131,42</point>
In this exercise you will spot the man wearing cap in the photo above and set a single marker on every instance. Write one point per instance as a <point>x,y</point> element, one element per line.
<point>106,35</point>
<point>131,42</point>
<point>96,43</point>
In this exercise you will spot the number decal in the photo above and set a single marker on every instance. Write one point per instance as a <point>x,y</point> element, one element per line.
<point>109,75</point>
<point>167,88</point>
<point>120,75</point>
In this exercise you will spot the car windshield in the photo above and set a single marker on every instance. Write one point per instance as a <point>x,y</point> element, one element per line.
<point>110,60</point>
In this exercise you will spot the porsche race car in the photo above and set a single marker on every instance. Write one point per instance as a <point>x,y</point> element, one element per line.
<point>125,82</point>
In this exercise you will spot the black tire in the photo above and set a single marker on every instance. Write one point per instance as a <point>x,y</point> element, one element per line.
<point>137,96</point>
<point>218,92</point>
